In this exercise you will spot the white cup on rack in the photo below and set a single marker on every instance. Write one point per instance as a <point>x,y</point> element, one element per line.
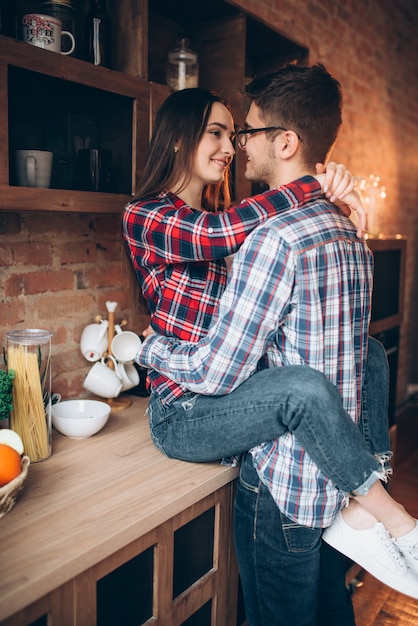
<point>129,375</point>
<point>125,346</point>
<point>103,381</point>
<point>93,341</point>
<point>44,31</point>
<point>33,168</point>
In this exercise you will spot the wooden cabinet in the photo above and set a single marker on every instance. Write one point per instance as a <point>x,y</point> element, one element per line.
<point>109,531</point>
<point>60,103</point>
<point>183,571</point>
<point>389,277</point>
<point>388,304</point>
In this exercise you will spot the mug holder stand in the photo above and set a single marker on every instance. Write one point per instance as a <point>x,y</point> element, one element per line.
<point>119,403</point>
<point>116,404</point>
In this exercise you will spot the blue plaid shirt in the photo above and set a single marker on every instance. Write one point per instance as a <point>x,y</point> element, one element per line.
<point>299,293</point>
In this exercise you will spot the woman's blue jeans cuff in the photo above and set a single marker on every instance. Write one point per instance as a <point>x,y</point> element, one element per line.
<point>383,475</point>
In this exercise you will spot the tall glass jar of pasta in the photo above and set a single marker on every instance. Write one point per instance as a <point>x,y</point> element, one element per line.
<point>29,356</point>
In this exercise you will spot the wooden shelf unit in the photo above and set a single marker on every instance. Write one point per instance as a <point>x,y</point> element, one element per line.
<point>232,47</point>
<point>44,72</point>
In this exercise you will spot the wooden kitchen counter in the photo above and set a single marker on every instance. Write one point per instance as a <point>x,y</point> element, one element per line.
<point>94,504</point>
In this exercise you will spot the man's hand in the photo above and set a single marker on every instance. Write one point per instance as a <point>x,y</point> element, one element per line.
<point>338,185</point>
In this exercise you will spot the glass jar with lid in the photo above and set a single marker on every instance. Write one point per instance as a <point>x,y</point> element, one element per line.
<point>29,357</point>
<point>65,11</point>
<point>182,67</point>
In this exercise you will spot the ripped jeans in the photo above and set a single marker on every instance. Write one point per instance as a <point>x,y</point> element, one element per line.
<point>299,399</point>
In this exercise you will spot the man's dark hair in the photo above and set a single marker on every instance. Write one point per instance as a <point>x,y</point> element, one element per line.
<point>307,100</point>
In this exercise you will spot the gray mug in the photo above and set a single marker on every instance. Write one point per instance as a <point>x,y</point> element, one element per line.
<point>33,168</point>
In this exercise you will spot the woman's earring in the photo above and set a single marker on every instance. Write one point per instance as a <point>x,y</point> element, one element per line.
<point>176,149</point>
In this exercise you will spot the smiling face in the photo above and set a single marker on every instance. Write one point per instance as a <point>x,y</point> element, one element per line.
<point>215,150</point>
<point>261,151</point>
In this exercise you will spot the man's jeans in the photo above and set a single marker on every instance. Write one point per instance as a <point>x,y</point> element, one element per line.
<point>287,576</point>
<point>280,563</point>
<point>271,402</point>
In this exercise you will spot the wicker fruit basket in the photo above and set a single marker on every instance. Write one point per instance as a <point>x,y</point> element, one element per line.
<point>9,492</point>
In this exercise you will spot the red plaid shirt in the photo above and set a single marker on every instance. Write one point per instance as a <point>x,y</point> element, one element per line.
<point>178,255</point>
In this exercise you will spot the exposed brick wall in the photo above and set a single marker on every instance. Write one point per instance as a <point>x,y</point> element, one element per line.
<point>371,46</point>
<point>59,270</point>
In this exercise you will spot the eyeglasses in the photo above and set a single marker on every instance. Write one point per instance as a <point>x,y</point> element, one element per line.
<point>243,133</point>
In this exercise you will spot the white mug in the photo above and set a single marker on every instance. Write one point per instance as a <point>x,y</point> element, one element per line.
<point>103,381</point>
<point>125,346</point>
<point>33,168</point>
<point>129,375</point>
<point>44,31</point>
<point>93,341</point>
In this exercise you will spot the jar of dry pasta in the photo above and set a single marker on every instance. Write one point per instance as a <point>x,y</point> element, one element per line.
<point>29,356</point>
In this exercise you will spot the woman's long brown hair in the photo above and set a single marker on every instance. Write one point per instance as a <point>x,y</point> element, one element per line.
<point>178,130</point>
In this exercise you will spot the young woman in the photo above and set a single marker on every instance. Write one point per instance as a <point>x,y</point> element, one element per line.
<point>177,240</point>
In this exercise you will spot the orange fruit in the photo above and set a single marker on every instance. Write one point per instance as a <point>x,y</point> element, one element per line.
<point>10,464</point>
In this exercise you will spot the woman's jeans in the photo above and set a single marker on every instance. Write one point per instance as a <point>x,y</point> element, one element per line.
<point>287,576</point>
<point>271,402</point>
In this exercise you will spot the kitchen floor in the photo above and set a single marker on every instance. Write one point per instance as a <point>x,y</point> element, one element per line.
<point>374,603</point>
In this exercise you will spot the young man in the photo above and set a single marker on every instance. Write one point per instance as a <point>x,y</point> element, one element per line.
<point>299,293</point>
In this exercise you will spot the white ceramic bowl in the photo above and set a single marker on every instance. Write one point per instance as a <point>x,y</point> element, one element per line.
<point>80,418</point>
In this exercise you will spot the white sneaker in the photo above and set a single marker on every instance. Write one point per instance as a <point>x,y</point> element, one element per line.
<point>375,551</point>
<point>408,547</point>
